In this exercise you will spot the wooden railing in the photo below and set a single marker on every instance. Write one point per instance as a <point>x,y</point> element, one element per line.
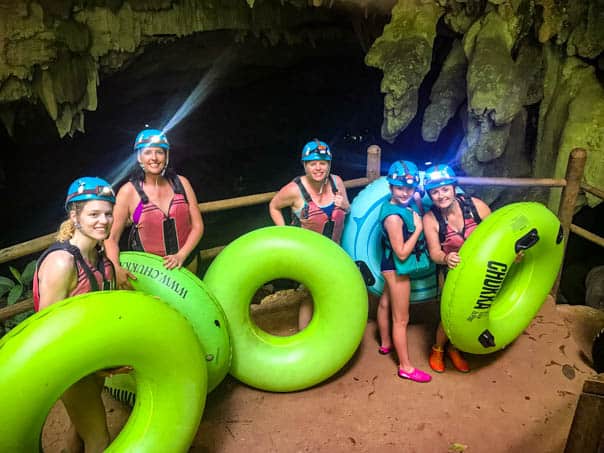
<point>41,243</point>
<point>570,185</point>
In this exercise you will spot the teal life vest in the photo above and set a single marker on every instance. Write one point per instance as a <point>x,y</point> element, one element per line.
<point>418,262</point>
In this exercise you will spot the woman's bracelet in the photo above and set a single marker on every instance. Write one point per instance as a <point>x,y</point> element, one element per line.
<point>445,259</point>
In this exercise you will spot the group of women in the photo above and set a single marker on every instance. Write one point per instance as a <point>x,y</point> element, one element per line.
<point>165,220</point>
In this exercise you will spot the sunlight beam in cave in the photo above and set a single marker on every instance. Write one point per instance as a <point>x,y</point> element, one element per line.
<point>203,89</point>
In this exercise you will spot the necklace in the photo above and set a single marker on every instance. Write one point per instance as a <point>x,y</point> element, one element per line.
<point>314,192</point>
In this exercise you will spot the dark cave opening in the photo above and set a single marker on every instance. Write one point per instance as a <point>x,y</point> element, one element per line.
<point>262,105</point>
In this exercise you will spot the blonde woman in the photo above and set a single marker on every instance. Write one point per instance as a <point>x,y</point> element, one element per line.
<point>318,202</point>
<point>73,265</point>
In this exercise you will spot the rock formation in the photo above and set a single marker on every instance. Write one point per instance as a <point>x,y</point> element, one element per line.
<point>516,54</point>
<point>525,75</point>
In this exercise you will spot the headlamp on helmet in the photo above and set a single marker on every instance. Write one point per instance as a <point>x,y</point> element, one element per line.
<point>151,138</point>
<point>89,188</point>
<point>439,175</point>
<point>316,150</point>
<point>403,173</point>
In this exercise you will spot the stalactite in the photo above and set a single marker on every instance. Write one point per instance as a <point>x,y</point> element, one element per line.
<point>58,63</point>
<point>403,53</point>
<point>448,93</point>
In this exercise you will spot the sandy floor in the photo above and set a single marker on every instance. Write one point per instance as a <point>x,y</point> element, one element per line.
<point>518,400</point>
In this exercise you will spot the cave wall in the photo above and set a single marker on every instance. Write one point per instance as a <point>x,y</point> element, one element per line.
<point>508,58</point>
<point>54,53</point>
<point>524,76</point>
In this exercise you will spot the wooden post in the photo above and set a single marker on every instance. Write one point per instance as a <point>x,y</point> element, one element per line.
<point>587,430</point>
<point>374,153</point>
<point>568,200</point>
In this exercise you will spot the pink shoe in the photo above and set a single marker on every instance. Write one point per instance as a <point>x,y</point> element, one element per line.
<point>416,375</point>
<point>384,351</point>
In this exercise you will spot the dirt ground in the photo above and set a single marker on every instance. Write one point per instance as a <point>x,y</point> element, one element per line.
<point>521,399</point>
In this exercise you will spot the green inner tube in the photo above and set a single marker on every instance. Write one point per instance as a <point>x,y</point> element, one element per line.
<point>298,361</point>
<point>183,291</point>
<point>488,299</point>
<point>53,349</point>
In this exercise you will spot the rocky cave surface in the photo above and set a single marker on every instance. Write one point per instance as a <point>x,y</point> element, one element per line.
<point>497,88</point>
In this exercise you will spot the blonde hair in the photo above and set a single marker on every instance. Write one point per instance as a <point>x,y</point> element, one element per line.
<point>67,228</point>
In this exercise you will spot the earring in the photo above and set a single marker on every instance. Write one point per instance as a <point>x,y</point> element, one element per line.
<point>77,225</point>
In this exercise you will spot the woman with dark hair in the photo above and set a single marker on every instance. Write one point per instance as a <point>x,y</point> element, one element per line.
<point>447,225</point>
<point>162,208</point>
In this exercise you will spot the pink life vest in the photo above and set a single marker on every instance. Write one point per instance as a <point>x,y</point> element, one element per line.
<point>90,278</point>
<point>451,240</point>
<point>454,240</point>
<point>313,217</point>
<point>157,233</point>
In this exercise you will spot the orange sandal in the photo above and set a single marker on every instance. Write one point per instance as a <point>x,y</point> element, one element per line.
<point>459,362</point>
<point>436,361</point>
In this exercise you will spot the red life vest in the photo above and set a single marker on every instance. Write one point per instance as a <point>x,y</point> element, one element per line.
<point>313,217</point>
<point>155,232</point>
<point>101,277</point>
<point>454,239</point>
<point>451,240</point>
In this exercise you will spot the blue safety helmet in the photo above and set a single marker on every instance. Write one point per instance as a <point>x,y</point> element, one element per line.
<point>403,173</point>
<point>89,188</point>
<point>439,175</point>
<point>316,150</point>
<point>150,138</point>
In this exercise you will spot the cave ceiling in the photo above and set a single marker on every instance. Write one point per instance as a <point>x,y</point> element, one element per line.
<point>522,78</point>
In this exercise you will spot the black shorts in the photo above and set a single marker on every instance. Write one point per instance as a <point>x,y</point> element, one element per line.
<point>387,263</point>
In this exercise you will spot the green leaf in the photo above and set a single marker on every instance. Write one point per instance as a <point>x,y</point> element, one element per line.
<point>5,285</point>
<point>16,274</point>
<point>4,281</point>
<point>4,290</point>
<point>14,294</point>
<point>28,272</point>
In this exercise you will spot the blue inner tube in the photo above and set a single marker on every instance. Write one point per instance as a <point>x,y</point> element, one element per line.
<point>362,240</point>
